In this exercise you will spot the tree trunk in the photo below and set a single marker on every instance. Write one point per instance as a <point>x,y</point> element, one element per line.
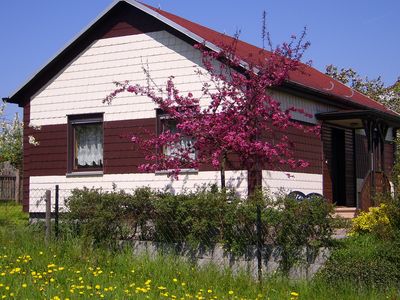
<point>222,170</point>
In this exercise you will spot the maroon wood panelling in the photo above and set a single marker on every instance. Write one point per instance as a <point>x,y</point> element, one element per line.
<point>122,156</point>
<point>350,186</point>
<point>50,156</point>
<point>388,158</point>
<point>350,168</point>
<point>363,164</point>
<point>306,146</point>
<point>362,156</point>
<point>326,136</point>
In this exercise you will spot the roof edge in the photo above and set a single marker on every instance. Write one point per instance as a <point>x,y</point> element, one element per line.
<point>69,43</point>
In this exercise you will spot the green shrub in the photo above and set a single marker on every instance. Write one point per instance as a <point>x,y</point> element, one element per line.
<point>300,229</point>
<point>203,218</point>
<point>364,260</point>
<point>376,220</point>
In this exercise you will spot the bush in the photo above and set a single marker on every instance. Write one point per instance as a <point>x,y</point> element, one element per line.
<point>301,229</point>
<point>364,260</point>
<point>376,220</point>
<point>203,218</point>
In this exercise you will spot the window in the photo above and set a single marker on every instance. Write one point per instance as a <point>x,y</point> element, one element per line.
<point>165,123</point>
<point>85,143</point>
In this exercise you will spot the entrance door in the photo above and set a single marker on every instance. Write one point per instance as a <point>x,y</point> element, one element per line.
<point>338,167</point>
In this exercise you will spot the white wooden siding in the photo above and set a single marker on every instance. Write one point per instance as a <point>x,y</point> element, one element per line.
<point>187,182</point>
<point>280,181</point>
<point>83,84</point>
<point>310,107</point>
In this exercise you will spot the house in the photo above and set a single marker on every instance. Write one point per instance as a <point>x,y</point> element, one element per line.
<point>349,162</point>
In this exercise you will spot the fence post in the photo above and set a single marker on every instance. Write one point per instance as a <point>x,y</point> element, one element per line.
<point>16,186</point>
<point>48,215</point>
<point>259,244</point>
<point>56,211</point>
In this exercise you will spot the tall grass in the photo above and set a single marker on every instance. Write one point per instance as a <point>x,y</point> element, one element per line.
<point>67,269</point>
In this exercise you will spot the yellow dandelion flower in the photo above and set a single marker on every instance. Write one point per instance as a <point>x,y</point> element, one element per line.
<point>294,294</point>
<point>97,287</point>
<point>24,285</point>
<point>175,280</point>
<point>230,292</point>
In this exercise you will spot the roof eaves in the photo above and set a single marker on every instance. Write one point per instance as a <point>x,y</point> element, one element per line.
<point>342,100</point>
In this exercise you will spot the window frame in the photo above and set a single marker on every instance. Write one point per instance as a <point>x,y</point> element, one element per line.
<point>160,117</point>
<point>73,121</point>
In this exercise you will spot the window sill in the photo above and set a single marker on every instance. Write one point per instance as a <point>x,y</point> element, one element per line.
<point>85,174</point>
<point>183,171</point>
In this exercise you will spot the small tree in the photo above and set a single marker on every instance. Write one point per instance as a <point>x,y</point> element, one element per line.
<point>11,140</point>
<point>241,118</point>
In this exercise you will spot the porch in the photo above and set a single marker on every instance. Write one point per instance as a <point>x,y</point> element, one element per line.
<point>358,156</point>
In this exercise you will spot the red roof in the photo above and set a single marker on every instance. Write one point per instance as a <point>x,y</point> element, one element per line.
<point>308,77</point>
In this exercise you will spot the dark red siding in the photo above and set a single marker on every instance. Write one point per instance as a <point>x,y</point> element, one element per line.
<point>363,159</point>
<point>120,154</point>
<point>350,172</point>
<point>388,158</point>
<point>306,146</point>
<point>326,135</point>
<point>350,168</point>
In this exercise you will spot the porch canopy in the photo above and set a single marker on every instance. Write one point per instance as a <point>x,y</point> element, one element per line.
<point>375,124</point>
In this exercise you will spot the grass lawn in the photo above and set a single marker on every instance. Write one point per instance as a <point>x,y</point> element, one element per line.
<point>67,269</point>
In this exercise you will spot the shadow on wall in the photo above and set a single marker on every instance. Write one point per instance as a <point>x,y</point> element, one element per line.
<point>235,180</point>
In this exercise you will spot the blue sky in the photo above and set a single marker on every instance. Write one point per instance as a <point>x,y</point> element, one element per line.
<point>359,34</point>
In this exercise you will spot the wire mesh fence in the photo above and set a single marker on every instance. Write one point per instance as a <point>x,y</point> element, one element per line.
<point>204,227</point>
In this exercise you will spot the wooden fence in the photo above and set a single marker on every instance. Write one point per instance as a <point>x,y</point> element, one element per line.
<point>9,187</point>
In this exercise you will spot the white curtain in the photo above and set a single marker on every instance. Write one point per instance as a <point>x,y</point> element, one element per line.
<point>89,145</point>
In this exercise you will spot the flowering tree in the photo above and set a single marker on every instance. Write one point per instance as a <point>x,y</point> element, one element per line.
<point>240,118</point>
<point>10,140</point>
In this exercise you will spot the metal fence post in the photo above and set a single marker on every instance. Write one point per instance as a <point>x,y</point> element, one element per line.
<point>259,244</point>
<point>56,211</point>
<point>48,216</point>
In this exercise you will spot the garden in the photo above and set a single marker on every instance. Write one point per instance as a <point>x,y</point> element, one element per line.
<point>88,259</point>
